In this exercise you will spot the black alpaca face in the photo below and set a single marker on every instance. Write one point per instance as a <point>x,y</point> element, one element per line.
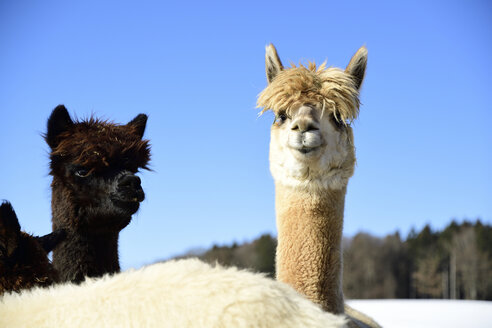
<point>94,166</point>
<point>104,199</point>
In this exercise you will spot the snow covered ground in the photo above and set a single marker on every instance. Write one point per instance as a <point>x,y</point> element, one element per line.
<point>427,313</point>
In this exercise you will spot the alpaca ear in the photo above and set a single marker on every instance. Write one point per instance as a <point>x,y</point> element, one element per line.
<point>357,66</point>
<point>58,122</point>
<point>138,124</point>
<point>273,65</point>
<point>9,230</point>
<point>51,240</point>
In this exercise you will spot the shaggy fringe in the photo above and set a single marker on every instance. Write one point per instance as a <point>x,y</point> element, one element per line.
<point>97,144</point>
<point>326,88</point>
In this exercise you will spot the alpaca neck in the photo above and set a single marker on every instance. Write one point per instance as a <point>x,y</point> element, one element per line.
<point>86,255</point>
<point>83,252</point>
<point>309,248</point>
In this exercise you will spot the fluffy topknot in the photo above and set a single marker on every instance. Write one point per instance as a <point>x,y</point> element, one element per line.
<point>98,144</point>
<point>329,89</point>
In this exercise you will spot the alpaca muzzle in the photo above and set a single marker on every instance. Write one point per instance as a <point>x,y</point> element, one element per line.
<point>129,189</point>
<point>304,133</point>
<point>127,192</point>
<point>305,141</point>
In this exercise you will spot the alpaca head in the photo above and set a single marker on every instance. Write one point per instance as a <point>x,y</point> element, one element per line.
<point>23,258</point>
<point>311,138</point>
<point>94,165</point>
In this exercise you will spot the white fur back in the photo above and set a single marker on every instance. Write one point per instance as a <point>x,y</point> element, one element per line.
<point>186,293</point>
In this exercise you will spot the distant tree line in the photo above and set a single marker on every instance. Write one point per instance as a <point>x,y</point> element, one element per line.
<point>455,263</point>
<point>258,255</point>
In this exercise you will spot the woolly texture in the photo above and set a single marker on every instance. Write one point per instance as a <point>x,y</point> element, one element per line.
<point>186,293</point>
<point>98,144</point>
<point>312,158</point>
<point>309,253</point>
<point>94,190</point>
<point>28,267</point>
<point>326,88</point>
<point>23,261</point>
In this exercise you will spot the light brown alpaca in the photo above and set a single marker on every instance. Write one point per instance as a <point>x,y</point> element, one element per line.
<point>312,156</point>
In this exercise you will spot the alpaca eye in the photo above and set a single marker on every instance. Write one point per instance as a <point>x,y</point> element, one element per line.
<point>280,118</point>
<point>82,173</point>
<point>337,122</point>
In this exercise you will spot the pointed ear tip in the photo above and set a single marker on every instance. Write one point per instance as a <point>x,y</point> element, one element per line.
<point>60,109</point>
<point>140,118</point>
<point>60,106</point>
<point>362,52</point>
<point>8,216</point>
<point>270,48</point>
<point>6,207</point>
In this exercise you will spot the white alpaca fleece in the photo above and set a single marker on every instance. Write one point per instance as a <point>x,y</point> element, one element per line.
<point>185,293</point>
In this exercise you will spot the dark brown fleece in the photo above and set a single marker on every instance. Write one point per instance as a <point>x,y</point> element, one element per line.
<point>95,190</point>
<point>23,261</point>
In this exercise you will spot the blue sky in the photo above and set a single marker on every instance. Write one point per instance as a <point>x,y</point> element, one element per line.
<point>423,137</point>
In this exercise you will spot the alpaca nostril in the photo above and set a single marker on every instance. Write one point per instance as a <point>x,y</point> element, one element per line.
<point>304,126</point>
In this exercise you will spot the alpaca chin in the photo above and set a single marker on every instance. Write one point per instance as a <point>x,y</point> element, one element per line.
<point>114,222</point>
<point>316,171</point>
<point>127,207</point>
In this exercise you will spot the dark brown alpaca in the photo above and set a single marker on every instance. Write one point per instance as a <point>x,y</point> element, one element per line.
<point>24,259</point>
<point>95,190</point>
